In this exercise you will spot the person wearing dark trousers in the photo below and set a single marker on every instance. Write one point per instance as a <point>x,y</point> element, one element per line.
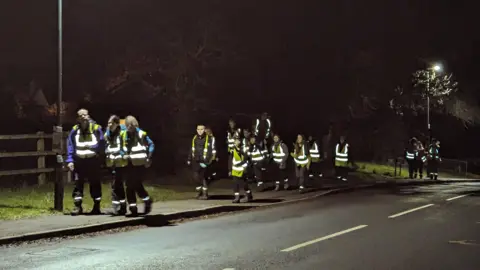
<point>114,161</point>
<point>84,146</point>
<point>301,157</point>
<point>211,170</point>
<point>239,164</point>
<point>420,159</point>
<point>315,166</point>
<point>257,158</point>
<point>199,158</point>
<point>342,159</point>
<point>138,149</point>
<point>279,168</point>
<point>434,159</point>
<point>410,157</point>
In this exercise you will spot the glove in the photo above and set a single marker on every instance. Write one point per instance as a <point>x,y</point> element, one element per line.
<point>203,165</point>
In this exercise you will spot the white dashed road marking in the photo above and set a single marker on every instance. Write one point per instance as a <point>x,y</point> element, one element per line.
<point>323,238</point>
<point>411,210</point>
<point>457,197</point>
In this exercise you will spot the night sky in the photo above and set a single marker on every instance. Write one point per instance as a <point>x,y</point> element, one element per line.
<point>302,61</point>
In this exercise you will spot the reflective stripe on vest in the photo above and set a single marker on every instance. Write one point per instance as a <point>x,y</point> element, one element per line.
<point>230,140</point>
<point>256,155</point>
<point>214,150</point>
<point>302,159</point>
<point>278,153</point>
<point>314,153</point>
<point>410,155</point>
<point>342,155</point>
<point>112,152</point>
<point>138,153</point>
<point>205,147</point>
<point>85,142</point>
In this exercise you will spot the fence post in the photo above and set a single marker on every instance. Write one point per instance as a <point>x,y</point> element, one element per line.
<point>41,159</point>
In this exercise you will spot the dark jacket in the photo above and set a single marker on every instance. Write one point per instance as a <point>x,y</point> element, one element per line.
<point>197,149</point>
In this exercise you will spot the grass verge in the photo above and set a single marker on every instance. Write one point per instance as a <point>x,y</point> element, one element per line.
<point>38,201</point>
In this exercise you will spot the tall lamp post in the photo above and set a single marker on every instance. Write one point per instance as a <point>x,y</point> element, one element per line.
<point>431,73</point>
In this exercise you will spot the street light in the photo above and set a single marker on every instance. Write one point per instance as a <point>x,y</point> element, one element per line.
<point>431,73</point>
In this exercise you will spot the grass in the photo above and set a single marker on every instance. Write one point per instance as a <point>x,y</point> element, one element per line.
<point>38,201</point>
<point>373,170</point>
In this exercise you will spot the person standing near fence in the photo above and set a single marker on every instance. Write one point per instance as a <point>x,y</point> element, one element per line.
<point>410,154</point>
<point>138,150</point>
<point>84,146</point>
<point>302,160</point>
<point>342,156</point>
<point>420,159</point>
<point>434,159</point>
<point>279,168</point>
<point>114,161</point>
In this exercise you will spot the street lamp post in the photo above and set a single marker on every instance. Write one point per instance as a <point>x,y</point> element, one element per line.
<point>431,73</point>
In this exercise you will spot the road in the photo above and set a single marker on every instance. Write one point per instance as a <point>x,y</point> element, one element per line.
<point>430,227</point>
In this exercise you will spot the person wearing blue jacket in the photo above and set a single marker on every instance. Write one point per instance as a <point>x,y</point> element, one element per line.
<point>84,146</point>
<point>138,150</point>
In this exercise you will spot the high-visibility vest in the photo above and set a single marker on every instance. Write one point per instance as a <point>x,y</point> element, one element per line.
<point>112,151</point>
<point>301,159</point>
<point>341,156</point>
<point>315,153</point>
<point>245,145</point>
<point>278,154</point>
<point>409,155</point>
<point>230,141</point>
<point>138,152</point>
<point>267,128</point>
<point>238,164</point>
<point>421,154</point>
<point>255,154</point>
<point>205,147</point>
<point>85,142</point>
<point>433,153</point>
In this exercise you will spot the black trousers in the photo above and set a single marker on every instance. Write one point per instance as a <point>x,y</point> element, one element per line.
<point>132,176</point>
<point>418,169</point>
<point>411,167</point>
<point>200,175</point>
<point>258,172</point>
<point>279,175</point>
<point>433,166</point>
<point>118,188</point>
<point>230,162</point>
<point>211,170</point>
<point>300,175</point>
<point>87,169</point>
<point>341,172</point>
<point>240,183</point>
<point>315,169</point>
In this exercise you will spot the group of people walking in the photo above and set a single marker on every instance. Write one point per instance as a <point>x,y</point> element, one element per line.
<point>418,157</point>
<point>125,149</point>
<point>251,153</point>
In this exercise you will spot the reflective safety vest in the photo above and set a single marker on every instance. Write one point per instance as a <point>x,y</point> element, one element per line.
<point>267,128</point>
<point>230,141</point>
<point>278,154</point>
<point>138,152</point>
<point>245,144</point>
<point>255,154</point>
<point>214,149</point>
<point>409,156</point>
<point>85,142</point>
<point>238,163</point>
<point>205,147</point>
<point>421,154</point>
<point>301,158</point>
<point>113,150</point>
<point>315,153</point>
<point>341,156</point>
<point>433,153</point>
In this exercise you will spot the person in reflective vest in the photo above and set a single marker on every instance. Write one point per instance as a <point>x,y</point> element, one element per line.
<point>114,160</point>
<point>246,140</point>
<point>420,160</point>
<point>262,130</point>
<point>239,165</point>
<point>257,158</point>
<point>138,150</point>
<point>212,169</point>
<point>84,145</point>
<point>315,169</point>
<point>301,156</point>
<point>434,159</point>
<point>230,142</point>
<point>279,168</point>
<point>410,156</point>
<point>200,156</point>
<point>341,159</point>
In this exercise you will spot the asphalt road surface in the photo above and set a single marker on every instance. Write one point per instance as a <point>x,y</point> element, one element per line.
<point>430,227</point>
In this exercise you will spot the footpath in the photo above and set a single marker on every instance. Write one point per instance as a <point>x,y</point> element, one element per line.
<point>165,212</point>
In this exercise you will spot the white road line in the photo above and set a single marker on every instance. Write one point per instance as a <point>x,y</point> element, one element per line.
<point>457,197</point>
<point>409,211</point>
<point>323,238</point>
<point>229,269</point>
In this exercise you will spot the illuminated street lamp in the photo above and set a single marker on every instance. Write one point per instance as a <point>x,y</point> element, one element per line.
<point>431,73</point>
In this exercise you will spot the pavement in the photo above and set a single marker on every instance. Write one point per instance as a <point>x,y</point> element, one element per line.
<point>397,227</point>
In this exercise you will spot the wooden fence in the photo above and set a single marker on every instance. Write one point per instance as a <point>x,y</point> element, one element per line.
<point>40,154</point>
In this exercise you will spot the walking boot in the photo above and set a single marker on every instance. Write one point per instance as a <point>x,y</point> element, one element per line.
<point>237,198</point>
<point>123,209</point>
<point>277,186</point>
<point>204,194</point>
<point>435,177</point>
<point>248,197</point>
<point>147,204</point>
<point>96,208</point>
<point>260,186</point>
<point>199,192</point>
<point>133,210</point>
<point>286,186</point>
<point>116,208</point>
<point>77,208</point>
<point>301,189</point>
